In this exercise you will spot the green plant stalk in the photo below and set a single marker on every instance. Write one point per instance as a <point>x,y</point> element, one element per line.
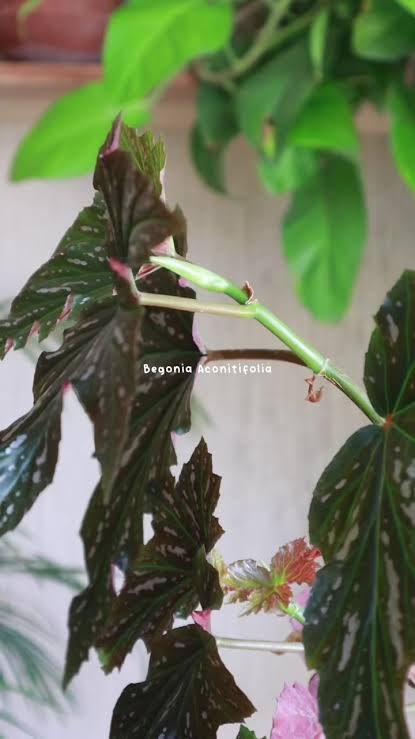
<point>311,357</point>
<point>259,646</point>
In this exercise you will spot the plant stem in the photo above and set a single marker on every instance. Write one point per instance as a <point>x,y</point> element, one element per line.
<point>272,355</point>
<point>310,356</point>
<point>153,300</point>
<point>259,646</point>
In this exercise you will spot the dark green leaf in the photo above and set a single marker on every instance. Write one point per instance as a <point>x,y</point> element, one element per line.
<point>383,31</point>
<point>171,574</point>
<point>76,274</point>
<point>66,140</point>
<point>112,532</point>
<point>97,357</point>
<point>245,733</point>
<point>138,219</point>
<point>324,234</point>
<point>208,160</point>
<point>289,171</point>
<point>359,631</point>
<point>216,114</point>
<point>402,109</point>
<point>275,92</point>
<point>318,39</point>
<point>326,122</point>
<point>188,692</point>
<point>149,41</point>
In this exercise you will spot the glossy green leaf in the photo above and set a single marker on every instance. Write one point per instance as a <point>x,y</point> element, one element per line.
<point>112,531</point>
<point>408,5</point>
<point>97,358</point>
<point>164,580</point>
<point>216,114</point>
<point>326,122</point>
<point>359,632</point>
<point>149,41</point>
<point>289,171</point>
<point>324,234</point>
<point>208,161</point>
<point>65,142</point>
<point>138,218</point>
<point>77,274</point>
<point>318,39</point>
<point>188,692</point>
<point>383,31</point>
<point>275,92</point>
<point>401,105</point>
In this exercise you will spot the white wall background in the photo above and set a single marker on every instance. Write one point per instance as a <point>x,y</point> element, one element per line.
<point>267,443</point>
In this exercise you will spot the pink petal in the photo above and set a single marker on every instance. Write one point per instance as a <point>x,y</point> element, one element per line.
<point>296,716</point>
<point>203,619</point>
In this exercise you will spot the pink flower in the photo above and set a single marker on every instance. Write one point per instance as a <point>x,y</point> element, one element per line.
<point>296,716</point>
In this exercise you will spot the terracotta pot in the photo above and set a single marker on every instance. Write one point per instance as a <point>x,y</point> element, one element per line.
<point>61,30</point>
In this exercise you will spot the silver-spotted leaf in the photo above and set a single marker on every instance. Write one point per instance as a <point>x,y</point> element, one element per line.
<point>188,692</point>
<point>98,358</point>
<point>138,218</point>
<point>172,574</point>
<point>359,632</point>
<point>112,531</point>
<point>76,274</point>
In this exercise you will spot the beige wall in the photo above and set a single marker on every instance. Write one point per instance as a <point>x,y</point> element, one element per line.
<point>267,443</point>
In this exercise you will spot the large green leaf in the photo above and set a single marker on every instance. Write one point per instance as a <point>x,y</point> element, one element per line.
<point>324,234</point>
<point>326,122</point>
<point>75,275</point>
<point>65,142</point>
<point>149,41</point>
<point>112,531</point>
<point>275,92</point>
<point>408,5</point>
<point>359,632</point>
<point>98,358</point>
<point>402,109</point>
<point>383,31</point>
<point>188,692</point>
<point>291,169</point>
<point>165,579</point>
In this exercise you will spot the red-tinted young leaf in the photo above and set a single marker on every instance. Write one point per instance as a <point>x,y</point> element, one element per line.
<point>269,588</point>
<point>188,692</point>
<point>171,575</point>
<point>296,562</point>
<point>77,274</point>
<point>98,358</point>
<point>359,630</point>
<point>138,218</point>
<point>112,531</point>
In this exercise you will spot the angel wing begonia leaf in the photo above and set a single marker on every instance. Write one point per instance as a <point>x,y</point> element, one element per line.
<point>172,574</point>
<point>269,588</point>
<point>75,275</point>
<point>97,357</point>
<point>188,692</point>
<point>112,531</point>
<point>139,220</point>
<point>359,627</point>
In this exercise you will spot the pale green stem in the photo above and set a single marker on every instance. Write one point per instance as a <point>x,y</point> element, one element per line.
<point>317,362</point>
<point>255,645</point>
<point>153,300</point>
